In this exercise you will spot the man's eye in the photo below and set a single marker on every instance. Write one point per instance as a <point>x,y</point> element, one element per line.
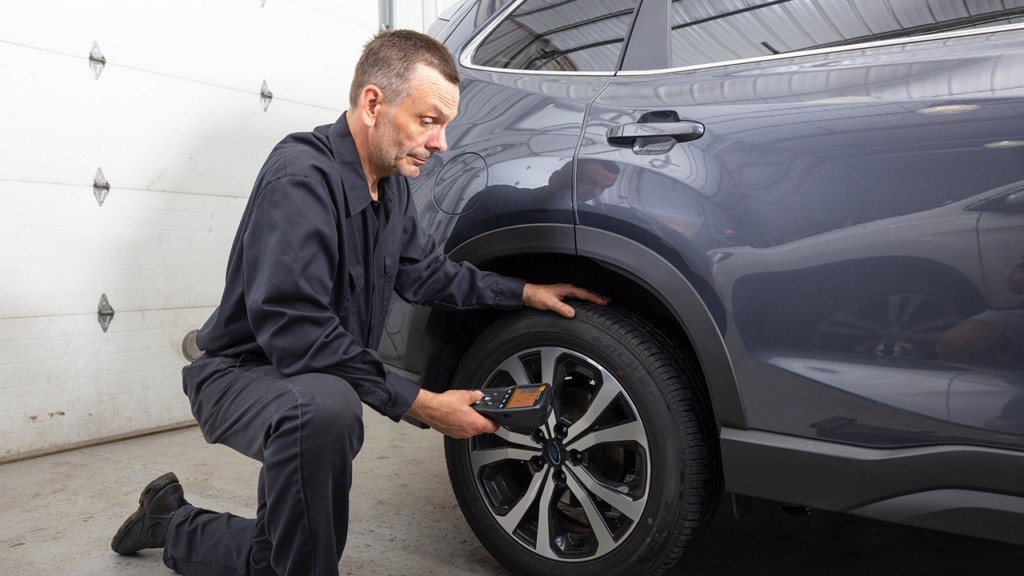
<point>426,121</point>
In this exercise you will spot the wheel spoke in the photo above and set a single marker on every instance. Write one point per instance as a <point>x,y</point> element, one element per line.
<point>481,458</point>
<point>899,325</point>
<point>605,396</point>
<point>515,369</point>
<point>621,502</point>
<point>509,522</point>
<point>605,542</point>
<point>846,323</point>
<point>626,432</point>
<point>515,437</point>
<point>544,533</point>
<point>902,309</point>
<point>548,356</point>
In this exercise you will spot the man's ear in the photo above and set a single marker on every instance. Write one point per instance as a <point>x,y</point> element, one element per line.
<point>370,100</point>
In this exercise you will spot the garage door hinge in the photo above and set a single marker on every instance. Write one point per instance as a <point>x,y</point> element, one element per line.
<point>100,186</point>
<point>96,60</point>
<point>104,312</point>
<point>265,95</point>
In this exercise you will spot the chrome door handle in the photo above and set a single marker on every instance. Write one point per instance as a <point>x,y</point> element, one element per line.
<point>654,137</point>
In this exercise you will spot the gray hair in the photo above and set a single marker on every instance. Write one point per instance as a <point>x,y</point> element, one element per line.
<point>390,58</point>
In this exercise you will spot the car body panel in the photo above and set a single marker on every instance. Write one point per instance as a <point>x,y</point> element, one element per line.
<point>504,181</point>
<point>811,173</point>
<point>815,225</point>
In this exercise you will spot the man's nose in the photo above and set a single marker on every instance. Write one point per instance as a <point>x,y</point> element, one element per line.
<point>438,141</point>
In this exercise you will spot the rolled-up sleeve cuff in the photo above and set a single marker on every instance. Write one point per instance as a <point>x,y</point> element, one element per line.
<point>403,393</point>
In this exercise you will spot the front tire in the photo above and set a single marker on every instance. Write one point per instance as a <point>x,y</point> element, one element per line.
<point>619,481</point>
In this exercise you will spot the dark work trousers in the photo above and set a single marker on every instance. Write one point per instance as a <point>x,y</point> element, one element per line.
<point>306,430</point>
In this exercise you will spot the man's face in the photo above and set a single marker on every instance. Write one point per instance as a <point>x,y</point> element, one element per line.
<point>592,180</point>
<point>408,132</point>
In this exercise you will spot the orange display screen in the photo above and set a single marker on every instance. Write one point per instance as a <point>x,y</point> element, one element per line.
<point>524,398</point>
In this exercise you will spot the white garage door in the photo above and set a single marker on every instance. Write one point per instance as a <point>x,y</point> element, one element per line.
<point>175,123</point>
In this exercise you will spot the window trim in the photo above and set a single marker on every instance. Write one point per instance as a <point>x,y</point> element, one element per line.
<point>832,50</point>
<point>466,58</point>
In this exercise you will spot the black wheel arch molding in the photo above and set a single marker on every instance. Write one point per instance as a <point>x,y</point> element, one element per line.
<point>618,256</point>
<point>683,300</point>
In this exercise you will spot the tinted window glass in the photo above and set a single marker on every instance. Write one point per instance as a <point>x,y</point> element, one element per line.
<point>705,31</point>
<point>559,36</point>
<point>486,9</point>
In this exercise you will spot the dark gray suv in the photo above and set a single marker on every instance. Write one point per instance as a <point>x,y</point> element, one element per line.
<point>810,217</point>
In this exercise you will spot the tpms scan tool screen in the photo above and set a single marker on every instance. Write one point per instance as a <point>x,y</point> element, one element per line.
<point>517,406</point>
<point>524,397</point>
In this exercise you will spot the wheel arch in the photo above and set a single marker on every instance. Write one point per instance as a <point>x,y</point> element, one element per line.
<point>637,279</point>
<point>683,307</point>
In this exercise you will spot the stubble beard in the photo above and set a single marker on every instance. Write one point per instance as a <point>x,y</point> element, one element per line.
<point>387,156</point>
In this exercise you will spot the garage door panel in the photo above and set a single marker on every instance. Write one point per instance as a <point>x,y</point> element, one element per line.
<point>177,125</point>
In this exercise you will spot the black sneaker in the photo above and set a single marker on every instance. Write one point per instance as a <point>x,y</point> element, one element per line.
<point>147,526</point>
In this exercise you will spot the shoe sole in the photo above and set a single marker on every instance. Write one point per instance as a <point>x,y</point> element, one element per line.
<point>151,490</point>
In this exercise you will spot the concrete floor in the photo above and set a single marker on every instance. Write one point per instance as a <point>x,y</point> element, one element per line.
<point>58,513</point>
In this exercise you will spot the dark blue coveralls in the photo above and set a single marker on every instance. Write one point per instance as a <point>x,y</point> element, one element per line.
<point>290,351</point>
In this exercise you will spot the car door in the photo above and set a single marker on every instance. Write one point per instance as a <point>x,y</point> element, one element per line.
<point>813,170</point>
<point>527,78</point>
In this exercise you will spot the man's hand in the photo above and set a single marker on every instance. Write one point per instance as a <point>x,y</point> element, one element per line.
<point>450,413</point>
<point>551,296</point>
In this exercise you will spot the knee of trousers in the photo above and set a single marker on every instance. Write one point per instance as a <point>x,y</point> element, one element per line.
<point>329,413</point>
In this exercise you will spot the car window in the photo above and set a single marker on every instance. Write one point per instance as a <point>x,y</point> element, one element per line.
<point>455,25</point>
<point>707,31</point>
<point>559,36</point>
<point>486,8</point>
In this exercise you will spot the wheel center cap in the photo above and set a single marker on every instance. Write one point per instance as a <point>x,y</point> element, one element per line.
<point>554,453</point>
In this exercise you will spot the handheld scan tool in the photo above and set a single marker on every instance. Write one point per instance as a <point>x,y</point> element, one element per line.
<point>522,407</point>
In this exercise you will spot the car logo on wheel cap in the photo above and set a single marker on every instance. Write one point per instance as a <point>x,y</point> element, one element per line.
<point>554,454</point>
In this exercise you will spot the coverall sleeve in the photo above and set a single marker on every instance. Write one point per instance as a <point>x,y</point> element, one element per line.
<point>427,276</point>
